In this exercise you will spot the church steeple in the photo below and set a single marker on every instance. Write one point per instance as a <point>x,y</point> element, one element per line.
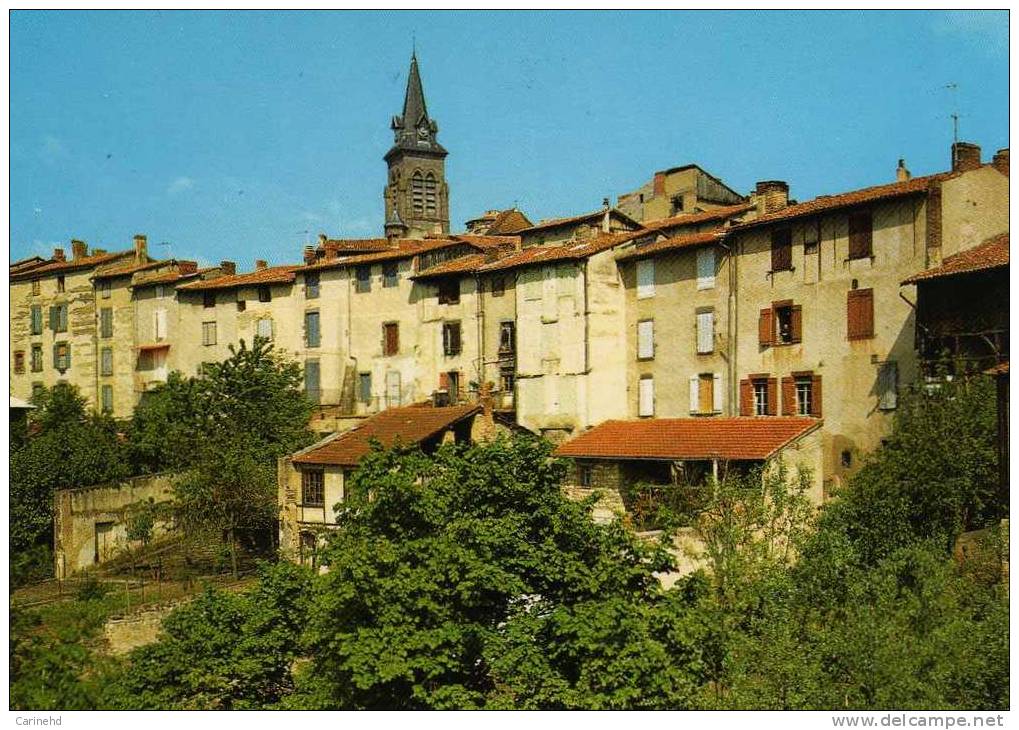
<point>416,197</point>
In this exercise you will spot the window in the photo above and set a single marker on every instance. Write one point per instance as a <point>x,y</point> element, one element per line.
<point>394,392</point>
<point>37,389</point>
<point>705,268</point>
<point>888,386</point>
<point>645,278</point>
<point>160,291</point>
<point>705,332</point>
<point>450,339</point>
<point>311,281</point>
<point>860,314</point>
<point>507,338</point>
<point>36,319</point>
<point>390,275</point>
<point>313,488</point>
<point>106,322</point>
<point>60,283</point>
<point>430,195</point>
<point>706,393</point>
<point>264,294</point>
<point>159,324</point>
<point>58,318</point>
<point>646,339</point>
<point>584,475</point>
<point>450,382</point>
<point>364,387</point>
<point>390,338</point>
<point>105,289</point>
<point>242,305</point>
<point>107,398</point>
<point>861,234</point>
<point>646,397</point>
<point>758,396</point>
<point>19,362</point>
<point>417,190</point>
<point>312,381</point>
<point>61,356</point>
<point>36,287</point>
<point>781,324</point>
<point>801,395</point>
<point>449,291</point>
<point>106,362</point>
<point>364,279</point>
<point>498,286</point>
<point>209,299</point>
<point>507,379</point>
<point>263,328</point>
<point>208,333</point>
<point>311,329</point>
<point>782,249</point>
<point>36,358</point>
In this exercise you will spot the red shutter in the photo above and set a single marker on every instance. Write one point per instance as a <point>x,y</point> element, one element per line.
<point>766,327</point>
<point>444,381</point>
<point>860,235</point>
<point>815,396</point>
<point>788,396</point>
<point>746,398</point>
<point>797,323</point>
<point>781,249</point>
<point>860,314</point>
<point>772,396</point>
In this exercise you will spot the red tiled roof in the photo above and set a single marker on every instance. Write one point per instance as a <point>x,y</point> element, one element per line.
<point>991,254</point>
<point>509,221</point>
<point>487,241</point>
<point>740,438</point>
<point>671,244</point>
<point>539,255</point>
<point>999,369</point>
<point>359,245</point>
<point>556,222</point>
<point>57,267</point>
<point>691,219</point>
<point>170,277</point>
<point>128,269</point>
<point>26,264</point>
<point>408,425</point>
<point>404,248</point>
<point>462,265</point>
<point>269,275</point>
<point>825,203</point>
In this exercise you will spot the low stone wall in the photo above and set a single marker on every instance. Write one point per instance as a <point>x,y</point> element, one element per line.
<point>89,524</point>
<point>124,633</point>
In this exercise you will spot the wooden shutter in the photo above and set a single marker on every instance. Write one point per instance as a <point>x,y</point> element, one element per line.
<point>646,339</point>
<point>815,396</point>
<point>860,235</point>
<point>781,249</point>
<point>788,396</point>
<point>444,381</point>
<point>705,268</point>
<point>766,327</point>
<point>695,394</point>
<point>796,319</point>
<point>646,405</point>
<point>772,396</point>
<point>645,278</point>
<point>53,318</point>
<point>705,332</point>
<point>860,314</point>
<point>455,338</point>
<point>746,397</point>
<point>716,404</point>
<point>391,333</point>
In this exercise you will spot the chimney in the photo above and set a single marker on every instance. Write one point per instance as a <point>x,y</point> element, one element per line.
<point>659,183</point>
<point>771,195</point>
<point>1000,161</point>
<point>901,173</point>
<point>58,254</point>
<point>260,264</point>
<point>79,249</point>
<point>965,156</point>
<point>309,254</point>
<point>229,268</point>
<point>607,217</point>
<point>332,249</point>
<point>187,267</point>
<point>141,253</point>
<point>98,251</point>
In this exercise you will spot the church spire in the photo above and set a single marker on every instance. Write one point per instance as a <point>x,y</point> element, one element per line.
<point>414,129</point>
<point>414,109</point>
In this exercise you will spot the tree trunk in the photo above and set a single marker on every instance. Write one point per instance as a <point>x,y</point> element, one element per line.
<point>233,551</point>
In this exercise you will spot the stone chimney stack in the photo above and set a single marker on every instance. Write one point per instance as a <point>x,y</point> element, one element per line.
<point>229,268</point>
<point>79,249</point>
<point>261,264</point>
<point>187,267</point>
<point>309,254</point>
<point>58,255</point>
<point>771,195</point>
<point>1000,160</point>
<point>901,173</point>
<point>965,156</point>
<point>141,249</point>
<point>606,221</point>
<point>658,186</point>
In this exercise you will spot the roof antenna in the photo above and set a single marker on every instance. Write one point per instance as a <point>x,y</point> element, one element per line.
<point>413,45</point>
<point>169,253</point>
<point>953,88</point>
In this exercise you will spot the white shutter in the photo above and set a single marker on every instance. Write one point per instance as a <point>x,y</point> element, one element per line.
<point>705,268</point>
<point>646,339</point>
<point>265,328</point>
<point>705,332</point>
<point>645,278</point>
<point>646,406</point>
<point>695,394</point>
<point>717,405</point>
<point>160,324</point>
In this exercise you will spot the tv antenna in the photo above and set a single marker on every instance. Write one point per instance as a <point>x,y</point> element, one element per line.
<point>168,252</point>
<point>305,232</point>
<point>953,88</point>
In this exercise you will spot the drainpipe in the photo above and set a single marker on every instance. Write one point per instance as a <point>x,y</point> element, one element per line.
<point>731,329</point>
<point>480,316</point>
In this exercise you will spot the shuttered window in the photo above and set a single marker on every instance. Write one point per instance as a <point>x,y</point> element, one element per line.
<point>705,332</point>
<point>312,333</point>
<point>311,285</point>
<point>61,356</point>
<point>390,338</point>
<point>264,328</point>
<point>646,397</point>
<point>364,387</point>
<point>706,393</point>
<point>159,324</point>
<point>646,339</point>
<point>58,318</point>
<point>451,339</point>
<point>312,488</point>
<point>312,381</point>
<point>390,274</point>
<point>363,276</point>
<point>758,396</point>
<point>860,314</point>
<point>781,249</point>
<point>801,395</point>
<point>19,362</point>
<point>36,319</point>
<point>766,327</point>
<point>36,358</point>
<point>107,398</point>
<point>861,233</point>
<point>208,333</point>
<point>107,361</point>
<point>106,322</point>
<point>888,386</point>
<point>645,278</point>
<point>705,268</point>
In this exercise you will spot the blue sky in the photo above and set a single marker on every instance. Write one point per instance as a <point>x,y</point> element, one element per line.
<point>228,135</point>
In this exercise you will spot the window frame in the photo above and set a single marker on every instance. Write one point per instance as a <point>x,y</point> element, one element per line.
<point>106,322</point>
<point>645,290</point>
<point>386,352</point>
<point>104,353</point>
<point>498,286</point>
<point>37,359</point>
<point>19,362</point>
<point>362,279</point>
<point>309,315</point>
<point>643,354</point>
<point>860,238</point>
<point>62,364</point>
<point>312,285</point>
<point>313,488</point>
<point>35,316</point>
<point>452,338</point>
<point>649,411</point>
<point>781,249</point>
<point>448,290</point>
<point>209,327</point>
<point>106,398</point>
<point>390,274</point>
<point>264,293</point>
<point>364,395</point>
<point>208,299</point>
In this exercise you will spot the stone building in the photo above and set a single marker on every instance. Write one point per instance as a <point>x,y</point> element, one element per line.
<point>682,190</point>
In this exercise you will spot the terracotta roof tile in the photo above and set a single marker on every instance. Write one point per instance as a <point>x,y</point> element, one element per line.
<point>171,277</point>
<point>671,244</point>
<point>691,219</point>
<point>409,425</point>
<point>26,264</point>
<point>404,248</point>
<point>357,245</point>
<point>462,265</point>
<point>56,267</point>
<point>269,275</point>
<point>991,254</point>
<point>556,222</point>
<point>539,255</point>
<point>487,241</point>
<point>740,438</point>
<point>128,269</point>
<point>509,221</point>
